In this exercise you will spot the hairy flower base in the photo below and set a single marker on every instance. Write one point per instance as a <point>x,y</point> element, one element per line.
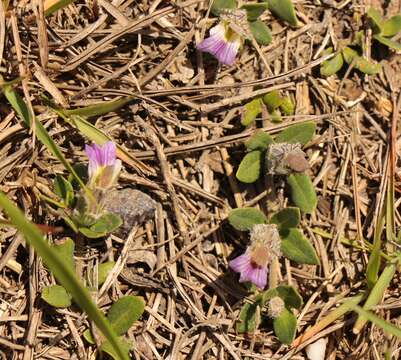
<point>223,43</point>
<point>249,270</point>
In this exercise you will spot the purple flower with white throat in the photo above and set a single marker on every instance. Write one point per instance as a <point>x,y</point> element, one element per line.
<point>253,264</point>
<point>104,167</point>
<point>223,43</point>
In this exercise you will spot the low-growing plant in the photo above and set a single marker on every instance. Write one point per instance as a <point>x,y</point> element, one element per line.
<point>270,239</point>
<point>385,29</point>
<point>281,156</point>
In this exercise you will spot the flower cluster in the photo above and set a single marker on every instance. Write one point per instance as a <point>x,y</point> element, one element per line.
<point>265,245</point>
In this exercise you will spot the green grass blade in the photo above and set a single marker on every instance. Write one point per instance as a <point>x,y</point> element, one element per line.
<point>63,273</point>
<point>52,6</point>
<point>386,326</point>
<point>376,294</point>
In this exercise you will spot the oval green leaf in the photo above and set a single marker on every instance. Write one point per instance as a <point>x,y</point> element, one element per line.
<point>285,326</point>
<point>249,168</point>
<point>331,66</point>
<point>261,32</point>
<point>245,218</point>
<point>272,100</point>
<point>349,54</point>
<point>260,140</point>
<point>375,20</point>
<point>367,67</point>
<point>107,223</point>
<point>290,296</point>
<point>56,296</point>
<point>284,9</point>
<point>302,192</point>
<point>103,270</point>
<point>124,312</point>
<point>388,42</point>
<point>287,106</point>
<point>299,133</point>
<point>297,248</point>
<point>392,26</point>
<point>251,111</point>
<point>218,5</point>
<point>255,10</point>
<point>289,217</point>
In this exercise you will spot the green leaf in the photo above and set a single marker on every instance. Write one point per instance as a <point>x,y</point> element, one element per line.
<point>56,296</point>
<point>284,9</point>
<point>272,100</point>
<point>251,111</point>
<point>101,108</point>
<point>64,189</point>
<point>349,54</point>
<point>90,233</point>
<point>55,5</point>
<point>299,133</point>
<point>108,349</point>
<point>302,192</point>
<point>386,326</point>
<point>218,5</point>
<point>289,217</point>
<point>392,26</point>
<point>249,168</point>
<point>275,117</point>
<point>248,318</point>
<point>65,252</point>
<point>285,326</point>
<point>287,106</point>
<point>375,20</point>
<point>255,10</point>
<point>107,223</point>
<point>388,42</point>
<point>297,248</point>
<point>261,32</point>
<point>331,66</point>
<point>22,110</point>
<point>290,296</point>
<point>62,273</point>
<point>124,312</point>
<point>260,140</point>
<point>103,270</point>
<point>245,218</point>
<point>367,67</point>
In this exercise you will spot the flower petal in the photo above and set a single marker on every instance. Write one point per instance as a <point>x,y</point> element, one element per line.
<point>94,155</point>
<point>108,153</point>
<point>241,263</point>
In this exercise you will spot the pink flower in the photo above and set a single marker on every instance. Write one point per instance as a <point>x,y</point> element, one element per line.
<point>249,270</point>
<point>223,43</point>
<point>104,168</point>
<point>253,264</point>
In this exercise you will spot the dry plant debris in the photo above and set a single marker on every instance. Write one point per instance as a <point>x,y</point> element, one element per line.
<point>183,130</point>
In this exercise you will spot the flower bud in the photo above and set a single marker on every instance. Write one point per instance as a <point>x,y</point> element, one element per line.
<point>275,307</point>
<point>284,159</point>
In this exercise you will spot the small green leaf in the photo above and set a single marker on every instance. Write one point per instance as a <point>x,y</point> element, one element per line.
<point>299,133</point>
<point>290,296</point>
<point>218,5</point>
<point>247,318</point>
<point>367,67</point>
<point>392,26</point>
<point>245,218</point>
<point>56,296</point>
<point>284,9</point>
<point>388,42</point>
<point>275,116</point>
<point>272,100</point>
<point>331,66</point>
<point>107,223</point>
<point>285,326</point>
<point>251,111</point>
<point>82,172</point>
<point>289,217</point>
<point>124,312</point>
<point>302,192</point>
<point>349,54</point>
<point>65,252</point>
<point>64,189</point>
<point>260,140</point>
<point>249,168</point>
<point>108,349</point>
<point>103,270</point>
<point>255,10</point>
<point>89,233</point>
<point>261,32</point>
<point>375,20</point>
<point>287,106</point>
<point>297,248</point>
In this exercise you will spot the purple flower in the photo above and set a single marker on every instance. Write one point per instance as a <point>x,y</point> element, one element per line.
<point>223,43</point>
<point>104,168</point>
<point>250,270</point>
